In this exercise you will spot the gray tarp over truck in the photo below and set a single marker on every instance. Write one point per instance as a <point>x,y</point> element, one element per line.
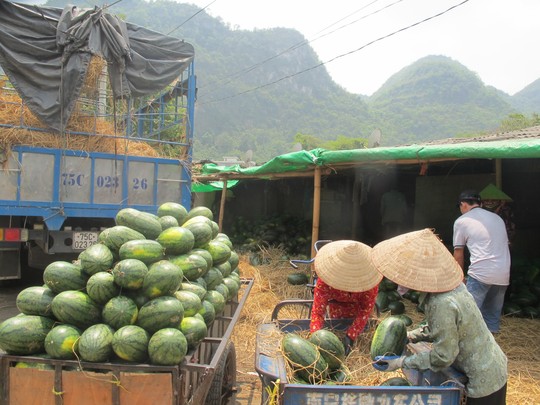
<point>45,53</point>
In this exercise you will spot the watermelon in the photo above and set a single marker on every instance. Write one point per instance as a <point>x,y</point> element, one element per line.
<point>141,221</point>
<point>63,276</point>
<point>200,211</point>
<point>167,222</point>
<point>194,288</point>
<point>382,301</point>
<point>116,236</point>
<point>176,240</point>
<point>304,357</point>
<point>167,347</point>
<point>223,290</point>
<point>389,338</point>
<point>330,346</point>
<point>159,313</point>
<point>396,381</point>
<point>190,302</point>
<point>192,265</point>
<point>119,311</point>
<point>138,298</point>
<point>34,364</point>
<point>96,258</point>
<point>396,307</point>
<point>220,251</point>
<point>213,278</point>
<point>404,318</point>
<point>200,281</point>
<point>216,299</point>
<point>62,342</point>
<point>340,375</point>
<point>24,334</point>
<point>201,231</point>
<point>298,278</point>
<point>234,260</point>
<point>147,251</point>
<point>173,209</point>
<point>76,308</point>
<point>205,254</point>
<point>194,330</point>
<point>130,273</point>
<point>224,268</point>
<point>163,278</point>
<point>215,229</point>
<point>224,239</point>
<point>95,343</point>
<point>130,343</point>
<point>35,301</point>
<point>232,285</point>
<point>101,287</point>
<point>208,312</point>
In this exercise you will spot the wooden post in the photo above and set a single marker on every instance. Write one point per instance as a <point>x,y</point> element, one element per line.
<point>222,204</point>
<point>498,173</point>
<point>316,208</point>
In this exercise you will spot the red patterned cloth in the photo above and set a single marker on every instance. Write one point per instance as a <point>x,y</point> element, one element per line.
<point>358,305</point>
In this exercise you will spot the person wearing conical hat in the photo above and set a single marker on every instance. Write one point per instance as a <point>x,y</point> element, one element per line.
<point>347,286</point>
<point>460,338</point>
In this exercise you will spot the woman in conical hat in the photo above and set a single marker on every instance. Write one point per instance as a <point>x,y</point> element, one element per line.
<point>347,286</point>
<point>460,338</point>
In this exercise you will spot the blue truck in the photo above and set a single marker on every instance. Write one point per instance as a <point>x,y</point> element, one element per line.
<point>59,184</point>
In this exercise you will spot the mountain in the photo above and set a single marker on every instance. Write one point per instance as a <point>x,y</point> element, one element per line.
<point>258,89</point>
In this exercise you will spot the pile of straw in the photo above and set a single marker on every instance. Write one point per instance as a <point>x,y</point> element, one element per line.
<point>518,338</point>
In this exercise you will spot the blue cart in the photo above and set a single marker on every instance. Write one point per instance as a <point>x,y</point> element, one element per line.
<point>428,388</point>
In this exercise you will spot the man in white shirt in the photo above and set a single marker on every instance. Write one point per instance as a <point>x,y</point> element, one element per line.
<point>484,234</point>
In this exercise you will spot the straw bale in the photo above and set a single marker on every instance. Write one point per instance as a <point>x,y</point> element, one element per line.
<point>519,338</point>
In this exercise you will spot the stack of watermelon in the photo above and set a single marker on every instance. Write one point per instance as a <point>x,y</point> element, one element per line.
<point>146,293</point>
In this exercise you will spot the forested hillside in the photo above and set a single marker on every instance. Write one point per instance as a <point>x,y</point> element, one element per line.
<point>259,89</point>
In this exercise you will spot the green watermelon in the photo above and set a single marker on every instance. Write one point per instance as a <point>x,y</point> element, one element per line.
<point>167,347</point>
<point>216,299</point>
<point>224,239</point>
<point>298,278</point>
<point>141,221</point>
<point>234,260</point>
<point>200,211</point>
<point>213,278</point>
<point>194,288</point>
<point>208,312</point>
<point>167,222</point>
<point>95,343</point>
<point>130,273</point>
<point>396,307</point>
<point>119,311</point>
<point>190,302</point>
<point>194,330</point>
<point>76,308</point>
<point>101,287</point>
<point>63,276</point>
<point>24,334</point>
<point>404,318</point>
<point>173,209</point>
<point>330,346</point>
<point>389,338</point>
<point>163,278</point>
<point>62,342</point>
<point>232,285</point>
<point>147,251</point>
<point>160,313</point>
<point>220,251</point>
<point>224,268</point>
<point>176,240</point>
<point>205,254</point>
<point>96,258</point>
<point>215,229</point>
<point>223,290</point>
<point>35,301</point>
<point>201,231</point>
<point>130,343</point>
<point>304,357</point>
<point>116,236</point>
<point>192,265</point>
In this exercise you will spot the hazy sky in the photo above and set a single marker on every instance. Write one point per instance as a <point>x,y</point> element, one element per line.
<point>497,39</point>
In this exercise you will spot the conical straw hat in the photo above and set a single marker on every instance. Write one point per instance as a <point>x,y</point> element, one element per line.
<point>419,261</point>
<point>346,265</point>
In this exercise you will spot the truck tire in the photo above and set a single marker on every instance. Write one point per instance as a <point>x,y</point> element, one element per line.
<point>223,385</point>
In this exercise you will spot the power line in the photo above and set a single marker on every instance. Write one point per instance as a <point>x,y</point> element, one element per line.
<point>339,56</point>
<point>200,11</point>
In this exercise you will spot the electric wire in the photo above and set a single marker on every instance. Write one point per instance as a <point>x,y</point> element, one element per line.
<point>185,21</point>
<point>336,57</point>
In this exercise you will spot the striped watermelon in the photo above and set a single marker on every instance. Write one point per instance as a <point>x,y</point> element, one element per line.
<point>223,290</point>
<point>176,240</point>
<point>233,285</point>
<point>192,265</point>
<point>116,236</point>
<point>178,211</point>
<point>76,308</point>
<point>141,221</point>
<point>330,347</point>
<point>168,221</point>
<point>213,278</point>
<point>24,334</point>
<point>147,251</point>
<point>208,312</point>
<point>63,276</point>
<point>95,343</point>
<point>200,211</point>
<point>216,299</point>
<point>205,254</point>
<point>101,287</point>
<point>159,313</point>
<point>35,301</point>
<point>130,273</point>
<point>224,268</point>
<point>190,302</point>
<point>199,290</point>
<point>163,278</point>
<point>120,311</point>
<point>96,258</point>
<point>194,330</point>
<point>304,358</point>
<point>167,347</point>
<point>62,342</point>
<point>130,343</point>
<point>220,251</point>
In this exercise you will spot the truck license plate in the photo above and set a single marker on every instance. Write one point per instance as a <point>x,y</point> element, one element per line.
<point>83,240</point>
